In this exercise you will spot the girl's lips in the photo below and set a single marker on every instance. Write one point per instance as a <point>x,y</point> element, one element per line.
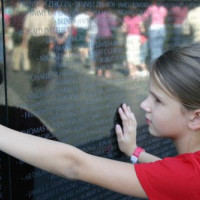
<point>148,121</point>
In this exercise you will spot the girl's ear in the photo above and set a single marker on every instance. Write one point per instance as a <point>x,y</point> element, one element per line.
<point>194,123</point>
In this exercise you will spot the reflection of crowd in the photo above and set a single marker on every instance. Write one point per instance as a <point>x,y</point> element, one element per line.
<point>91,35</point>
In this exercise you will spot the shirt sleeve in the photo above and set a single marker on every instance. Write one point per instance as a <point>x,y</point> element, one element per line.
<point>170,178</point>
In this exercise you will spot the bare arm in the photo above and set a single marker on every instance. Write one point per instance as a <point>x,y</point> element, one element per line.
<point>127,136</point>
<point>69,162</point>
<point>42,153</point>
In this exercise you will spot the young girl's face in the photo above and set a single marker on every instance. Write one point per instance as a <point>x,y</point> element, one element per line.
<point>164,114</point>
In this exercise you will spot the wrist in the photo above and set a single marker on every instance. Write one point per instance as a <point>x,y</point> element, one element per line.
<point>131,150</point>
<point>136,154</point>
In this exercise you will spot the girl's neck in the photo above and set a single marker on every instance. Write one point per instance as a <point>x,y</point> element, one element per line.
<point>188,144</point>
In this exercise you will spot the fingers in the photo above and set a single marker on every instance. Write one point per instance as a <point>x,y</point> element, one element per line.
<point>131,114</point>
<point>128,120</point>
<point>119,132</point>
<point>126,135</point>
<point>122,114</point>
<point>126,113</point>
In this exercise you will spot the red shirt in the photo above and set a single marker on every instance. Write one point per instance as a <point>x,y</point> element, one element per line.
<point>173,178</point>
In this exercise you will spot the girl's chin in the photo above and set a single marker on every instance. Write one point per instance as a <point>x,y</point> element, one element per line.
<point>153,133</point>
<point>156,134</point>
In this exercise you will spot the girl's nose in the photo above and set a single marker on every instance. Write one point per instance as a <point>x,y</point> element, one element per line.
<point>145,105</point>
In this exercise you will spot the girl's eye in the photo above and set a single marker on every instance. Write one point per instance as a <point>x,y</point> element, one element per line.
<point>157,100</point>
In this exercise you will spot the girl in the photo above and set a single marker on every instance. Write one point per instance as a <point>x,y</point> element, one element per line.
<point>172,111</point>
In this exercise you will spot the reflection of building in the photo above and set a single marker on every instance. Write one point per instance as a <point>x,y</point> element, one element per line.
<point>191,24</point>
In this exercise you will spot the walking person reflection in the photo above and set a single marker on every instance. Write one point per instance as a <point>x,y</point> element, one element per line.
<point>178,14</point>
<point>63,26</point>
<point>39,28</point>
<point>81,25</point>
<point>104,42</point>
<point>133,26</point>
<point>19,53</point>
<point>91,38</point>
<point>156,14</point>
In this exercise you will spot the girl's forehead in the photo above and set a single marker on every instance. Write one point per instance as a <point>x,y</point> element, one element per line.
<point>158,89</point>
<point>154,82</point>
<point>156,85</point>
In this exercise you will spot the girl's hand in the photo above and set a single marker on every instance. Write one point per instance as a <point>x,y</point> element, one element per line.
<point>126,136</point>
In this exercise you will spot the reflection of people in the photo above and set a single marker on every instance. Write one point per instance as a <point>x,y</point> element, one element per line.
<point>39,28</point>
<point>104,46</point>
<point>191,25</point>
<point>144,52</point>
<point>63,26</point>
<point>156,14</point>
<point>178,14</point>
<point>81,25</point>
<point>132,25</point>
<point>19,53</point>
<point>91,37</point>
<point>172,111</point>
<point>8,33</point>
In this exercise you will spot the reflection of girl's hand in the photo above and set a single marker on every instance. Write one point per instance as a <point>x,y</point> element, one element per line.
<point>126,135</point>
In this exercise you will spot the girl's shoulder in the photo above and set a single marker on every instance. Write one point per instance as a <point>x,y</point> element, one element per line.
<point>179,174</point>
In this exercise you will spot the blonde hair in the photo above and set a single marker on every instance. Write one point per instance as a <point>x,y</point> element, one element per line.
<point>179,71</point>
